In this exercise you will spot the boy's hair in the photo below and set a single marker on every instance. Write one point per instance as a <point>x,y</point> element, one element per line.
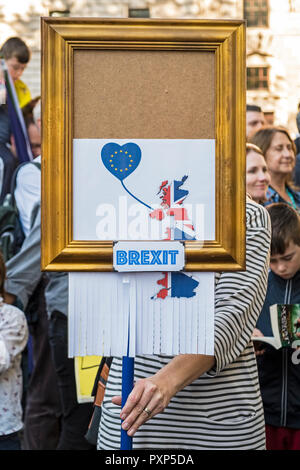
<point>285,222</point>
<point>2,274</point>
<point>15,47</point>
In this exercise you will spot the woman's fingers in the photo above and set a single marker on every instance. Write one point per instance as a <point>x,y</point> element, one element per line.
<point>147,413</point>
<point>132,423</point>
<point>132,404</point>
<point>144,402</point>
<point>117,400</point>
<point>138,399</point>
<point>148,398</point>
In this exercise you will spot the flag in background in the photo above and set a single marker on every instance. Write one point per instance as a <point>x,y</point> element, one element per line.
<point>16,119</point>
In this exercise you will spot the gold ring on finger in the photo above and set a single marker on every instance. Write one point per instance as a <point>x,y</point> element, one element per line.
<point>147,411</point>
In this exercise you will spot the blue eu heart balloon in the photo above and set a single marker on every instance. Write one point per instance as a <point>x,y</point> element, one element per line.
<point>121,160</point>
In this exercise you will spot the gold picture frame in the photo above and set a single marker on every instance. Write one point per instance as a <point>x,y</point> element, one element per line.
<point>68,44</point>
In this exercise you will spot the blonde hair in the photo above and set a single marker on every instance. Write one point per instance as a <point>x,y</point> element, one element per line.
<point>253,148</point>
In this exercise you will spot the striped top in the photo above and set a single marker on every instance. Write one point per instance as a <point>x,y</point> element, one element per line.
<point>223,408</point>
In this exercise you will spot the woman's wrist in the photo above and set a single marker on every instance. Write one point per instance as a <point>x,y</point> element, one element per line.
<point>181,371</point>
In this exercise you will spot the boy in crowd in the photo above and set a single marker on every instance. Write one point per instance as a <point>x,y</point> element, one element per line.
<point>279,374</point>
<point>17,55</point>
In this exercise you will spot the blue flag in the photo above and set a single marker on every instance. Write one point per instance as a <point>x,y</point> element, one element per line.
<point>17,121</point>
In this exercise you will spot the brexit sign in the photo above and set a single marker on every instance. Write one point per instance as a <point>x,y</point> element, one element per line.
<point>148,256</point>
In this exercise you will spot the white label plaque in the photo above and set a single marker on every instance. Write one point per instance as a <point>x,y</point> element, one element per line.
<point>148,256</point>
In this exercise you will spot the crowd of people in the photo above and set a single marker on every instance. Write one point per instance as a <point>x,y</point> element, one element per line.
<point>243,397</point>
<point>271,180</point>
<point>50,416</point>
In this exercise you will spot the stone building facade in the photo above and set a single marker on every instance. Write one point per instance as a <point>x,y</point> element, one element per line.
<point>273,39</point>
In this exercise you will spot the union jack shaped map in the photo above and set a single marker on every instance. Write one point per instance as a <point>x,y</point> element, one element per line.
<point>172,198</point>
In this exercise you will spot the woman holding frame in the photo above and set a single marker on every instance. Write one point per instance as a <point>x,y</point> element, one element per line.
<point>196,401</point>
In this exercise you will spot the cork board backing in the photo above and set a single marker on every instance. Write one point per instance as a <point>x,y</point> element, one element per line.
<point>144,94</point>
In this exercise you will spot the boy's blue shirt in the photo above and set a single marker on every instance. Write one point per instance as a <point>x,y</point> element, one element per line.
<point>279,291</point>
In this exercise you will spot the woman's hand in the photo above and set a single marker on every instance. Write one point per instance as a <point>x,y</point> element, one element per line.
<point>152,395</point>
<point>148,398</point>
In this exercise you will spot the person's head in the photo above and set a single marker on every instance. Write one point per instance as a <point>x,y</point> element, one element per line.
<point>278,148</point>
<point>257,175</point>
<point>34,136</point>
<point>2,274</point>
<point>254,119</point>
<point>16,55</point>
<point>285,241</point>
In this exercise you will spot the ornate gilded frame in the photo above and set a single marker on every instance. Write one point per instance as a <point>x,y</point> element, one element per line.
<point>226,40</point>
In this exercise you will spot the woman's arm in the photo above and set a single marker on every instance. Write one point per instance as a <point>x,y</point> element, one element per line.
<point>155,392</point>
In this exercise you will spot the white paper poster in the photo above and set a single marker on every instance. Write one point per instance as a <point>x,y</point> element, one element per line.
<point>112,314</point>
<point>143,189</point>
<point>144,194</point>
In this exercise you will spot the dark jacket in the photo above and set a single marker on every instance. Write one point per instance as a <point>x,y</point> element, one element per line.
<point>279,377</point>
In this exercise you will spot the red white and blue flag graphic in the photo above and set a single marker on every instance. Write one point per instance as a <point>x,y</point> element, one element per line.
<point>172,197</point>
<point>176,285</point>
<point>181,228</point>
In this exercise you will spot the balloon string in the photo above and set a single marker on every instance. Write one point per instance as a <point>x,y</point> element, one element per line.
<point>149,207</point>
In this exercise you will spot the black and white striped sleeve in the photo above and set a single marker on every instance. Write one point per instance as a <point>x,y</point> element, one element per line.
<point>239,296</point>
